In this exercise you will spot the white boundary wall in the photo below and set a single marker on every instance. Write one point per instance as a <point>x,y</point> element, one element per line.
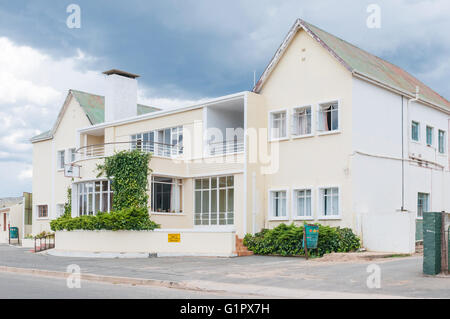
<point>192,242</point>
<point>394,232</point>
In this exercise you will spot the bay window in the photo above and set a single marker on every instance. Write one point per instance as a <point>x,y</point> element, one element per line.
<point>94,197</point>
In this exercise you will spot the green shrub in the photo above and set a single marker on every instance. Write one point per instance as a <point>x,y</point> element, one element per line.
<point>126,219</point>
<point>286,240</point>
<point>128,172</point>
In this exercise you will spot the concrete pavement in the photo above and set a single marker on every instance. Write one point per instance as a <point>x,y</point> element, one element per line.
<point>400,277</point>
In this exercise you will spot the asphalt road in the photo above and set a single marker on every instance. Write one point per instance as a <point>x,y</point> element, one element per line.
<point>15,286</point>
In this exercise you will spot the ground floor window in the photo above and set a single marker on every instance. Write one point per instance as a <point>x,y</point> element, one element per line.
<point>422,204</point>
<point>94,197</point>
<point>329,201</point>
<point>278,204</point>
<point>302,203</point>
<point>214,201</point>
<point>166,194</point>
<point>43,211</point>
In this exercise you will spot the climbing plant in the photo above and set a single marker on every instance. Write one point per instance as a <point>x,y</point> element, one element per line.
<point>68,204</point>
<point>128,173</point>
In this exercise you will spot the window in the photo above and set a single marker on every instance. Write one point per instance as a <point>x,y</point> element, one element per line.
<point>441,141</point>
<point>166,194</point>
<point>302,121</point>
<point>165,142</point>
<point>61,159</point>
<point>59,210</point>
<point>302,203</point>
<point>415,131</point>
<point>94,197</point>
<point>278,125</point>
<point>72,154</point>
<point>329,117</point>
<point>329,201</point>
<point>214,201</point>
<point>278,204</point>
<point>430,133</point>
<point>42,211</point>
<point>422,204</point>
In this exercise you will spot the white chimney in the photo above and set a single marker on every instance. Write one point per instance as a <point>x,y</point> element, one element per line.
<point>120,95</point>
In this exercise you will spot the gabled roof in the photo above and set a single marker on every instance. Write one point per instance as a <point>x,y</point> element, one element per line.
<point>93,106</point>
<point>360,63</point>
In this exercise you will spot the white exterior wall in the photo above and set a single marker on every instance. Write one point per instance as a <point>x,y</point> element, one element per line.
<point>120,97</point>
<point>377,179</point>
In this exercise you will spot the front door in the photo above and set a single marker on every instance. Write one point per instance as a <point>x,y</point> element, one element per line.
<point>4,221</point>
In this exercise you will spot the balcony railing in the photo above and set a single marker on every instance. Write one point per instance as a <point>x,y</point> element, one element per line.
<point>106,149</point>
<point>225,147</point>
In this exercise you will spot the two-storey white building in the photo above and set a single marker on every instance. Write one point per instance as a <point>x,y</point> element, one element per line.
<point>329,134</point>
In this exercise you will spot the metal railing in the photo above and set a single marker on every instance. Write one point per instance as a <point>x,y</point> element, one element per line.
<point>105,149</point>
<point>44,243</point>
<point>225,147</point>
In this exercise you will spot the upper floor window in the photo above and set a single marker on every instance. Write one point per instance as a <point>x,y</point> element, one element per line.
<point>329,201</point>
<point>164,142</point>
<point>441,141</point>
<point>329,117</point>
<point>42,211</point>
<point>278,124</point>
<point>415,131</point>
<point>72,154</point>
<point>166,194</point>
<point>430,135</point>
<point>61,159</point>
<point>278,201</point>
<point>302,121</point>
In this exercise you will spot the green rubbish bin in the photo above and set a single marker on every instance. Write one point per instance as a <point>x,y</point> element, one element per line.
<point>432,243</point>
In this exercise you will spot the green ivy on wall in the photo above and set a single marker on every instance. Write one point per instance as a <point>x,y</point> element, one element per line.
<point>128,172</point>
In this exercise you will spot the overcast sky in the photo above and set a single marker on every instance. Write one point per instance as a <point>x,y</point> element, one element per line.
<point>184,51</point>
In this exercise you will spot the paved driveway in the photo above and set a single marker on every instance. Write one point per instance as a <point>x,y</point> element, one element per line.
<point>399,276</point>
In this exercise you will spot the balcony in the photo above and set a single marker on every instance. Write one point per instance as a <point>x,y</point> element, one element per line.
<point>225,147</point>
<point>108,149</point>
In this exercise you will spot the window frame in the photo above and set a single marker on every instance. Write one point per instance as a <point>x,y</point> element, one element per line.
<point>210,189</point>
<point>270,125</point>
<point>58,159</point>
<point>137,141</point>
<point>294,128</point>
<point>427,127</point>
<point>418,131</point>
<point>320,105</point>
<point>294,203</point>
<point>428,204</point>
<point>444,137</point>
<point>270,216</point>
<point>38,207</point>
<point>77,204</point>
<point>175,181</point>
<point>320,212</point>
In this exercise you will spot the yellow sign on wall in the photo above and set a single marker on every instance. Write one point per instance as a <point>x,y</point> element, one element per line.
<point>173,238</point>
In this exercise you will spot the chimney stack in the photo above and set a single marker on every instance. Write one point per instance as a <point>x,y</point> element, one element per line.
<point>120,95</point>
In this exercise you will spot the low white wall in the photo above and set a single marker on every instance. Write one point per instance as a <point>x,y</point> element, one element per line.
<point>394,232</point>
<point>192,242</point>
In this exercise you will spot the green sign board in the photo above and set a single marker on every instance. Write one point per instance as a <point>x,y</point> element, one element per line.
<point>312,236</point>
<point>13,232</point>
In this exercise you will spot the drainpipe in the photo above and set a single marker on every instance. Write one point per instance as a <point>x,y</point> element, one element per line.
<point>416,98</point>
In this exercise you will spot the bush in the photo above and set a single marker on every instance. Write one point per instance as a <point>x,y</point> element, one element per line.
<point>42,234</point>
<point>125,219</point>
<point>286,240</point>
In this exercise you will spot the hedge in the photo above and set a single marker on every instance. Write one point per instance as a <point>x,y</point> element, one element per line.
<point>286,240</point>
<point>125,219</point>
